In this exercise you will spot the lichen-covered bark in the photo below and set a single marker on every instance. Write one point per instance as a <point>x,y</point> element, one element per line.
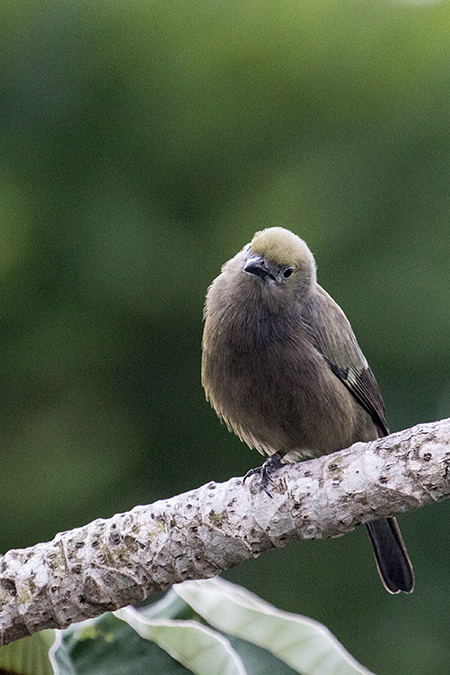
<point>111,563</point>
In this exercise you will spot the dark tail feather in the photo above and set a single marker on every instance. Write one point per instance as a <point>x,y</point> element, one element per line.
<point>393,563</point>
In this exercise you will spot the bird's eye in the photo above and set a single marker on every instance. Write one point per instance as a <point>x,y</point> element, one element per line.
<point>287,272</point>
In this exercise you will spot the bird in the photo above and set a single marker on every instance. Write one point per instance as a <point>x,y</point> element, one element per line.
<point>282,368</point>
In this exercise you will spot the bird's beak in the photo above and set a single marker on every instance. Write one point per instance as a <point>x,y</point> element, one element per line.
<point>257,265</point>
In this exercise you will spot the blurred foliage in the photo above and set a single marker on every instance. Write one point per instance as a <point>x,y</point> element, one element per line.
<point>141,145</point>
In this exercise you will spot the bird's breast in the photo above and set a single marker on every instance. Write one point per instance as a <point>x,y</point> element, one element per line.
<point>271,387</point>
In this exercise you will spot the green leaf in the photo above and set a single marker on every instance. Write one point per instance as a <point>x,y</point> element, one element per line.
<point>171,606</point>
<point>107,646</point>
<point>304,644</point>
<point>32,655</point>
<point>60,656</point>
<point>259,661</point>
<point>197,647</point>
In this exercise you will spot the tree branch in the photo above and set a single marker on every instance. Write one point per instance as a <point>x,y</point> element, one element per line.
<point>111,563</point>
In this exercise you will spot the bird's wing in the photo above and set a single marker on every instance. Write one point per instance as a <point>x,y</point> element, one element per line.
<point>337,343</point>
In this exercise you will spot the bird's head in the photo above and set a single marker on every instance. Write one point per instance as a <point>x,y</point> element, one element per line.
<point>281,261</point>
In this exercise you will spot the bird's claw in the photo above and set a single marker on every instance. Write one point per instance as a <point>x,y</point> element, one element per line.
<point>272,464</point>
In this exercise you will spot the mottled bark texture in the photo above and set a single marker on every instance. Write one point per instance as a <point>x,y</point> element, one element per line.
<point>111,563</point>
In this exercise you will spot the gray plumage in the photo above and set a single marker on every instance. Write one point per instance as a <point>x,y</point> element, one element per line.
<point>282,367</point>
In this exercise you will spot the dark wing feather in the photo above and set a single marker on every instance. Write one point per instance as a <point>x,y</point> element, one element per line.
<point>337,343</point>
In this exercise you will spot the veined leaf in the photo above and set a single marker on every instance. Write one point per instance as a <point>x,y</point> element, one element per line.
<point>304,644</point>
<point>197,647</point>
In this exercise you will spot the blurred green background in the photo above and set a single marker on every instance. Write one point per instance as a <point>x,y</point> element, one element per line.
<point>141,145</point>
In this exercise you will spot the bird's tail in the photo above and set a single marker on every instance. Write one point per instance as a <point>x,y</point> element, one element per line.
<point>393,563</point>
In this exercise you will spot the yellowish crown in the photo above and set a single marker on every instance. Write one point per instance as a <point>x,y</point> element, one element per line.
<point>282,247</point>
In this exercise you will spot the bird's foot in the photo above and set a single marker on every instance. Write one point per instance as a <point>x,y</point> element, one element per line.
<point>272,464</point>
